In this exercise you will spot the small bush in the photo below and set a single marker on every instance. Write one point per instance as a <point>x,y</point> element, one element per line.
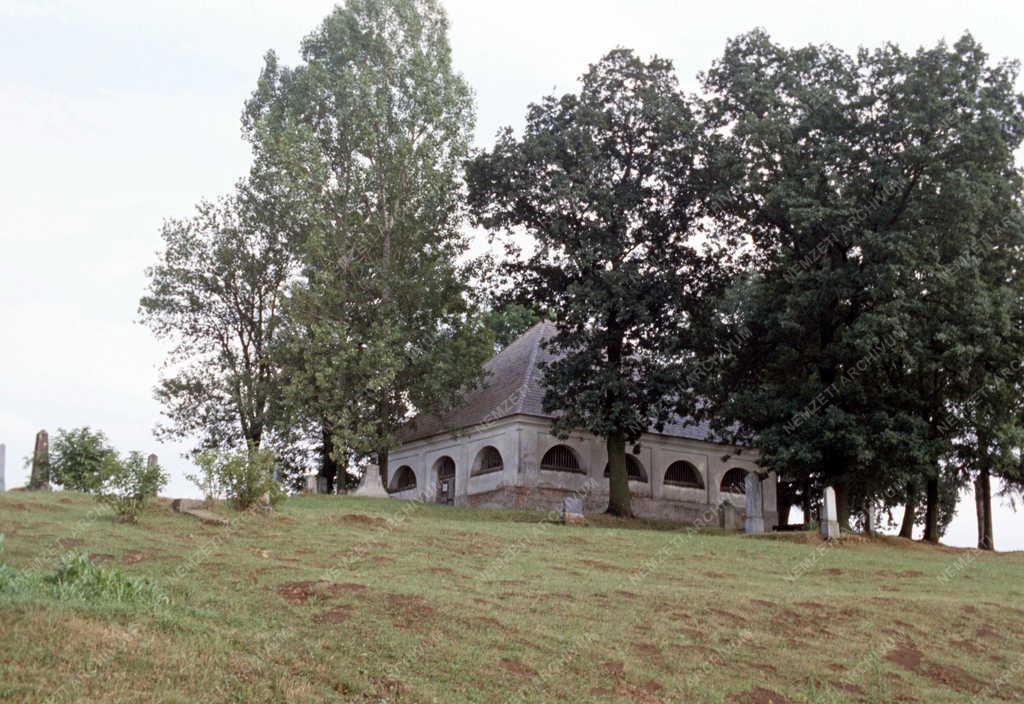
<point>244,476</point>
<point>77,457</point>
<point>129,484</point>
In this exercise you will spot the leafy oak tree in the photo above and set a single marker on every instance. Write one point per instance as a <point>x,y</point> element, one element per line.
<point>862,181</point>
<point>609,183</point>
<point>366,137</point>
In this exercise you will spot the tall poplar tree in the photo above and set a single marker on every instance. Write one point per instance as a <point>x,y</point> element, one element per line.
<point>367,136</point>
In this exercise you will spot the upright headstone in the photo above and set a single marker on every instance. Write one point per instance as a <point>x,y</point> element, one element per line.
<point>829,517</point>
<point>310,485</point>
<point>40,478</point>
<point>869,519</point>
<point>3,465</point>
<point>755,505</point>
<point>370,484</point>
<point>151,462</point>
<point>572,511</point>
<point>728,516</point>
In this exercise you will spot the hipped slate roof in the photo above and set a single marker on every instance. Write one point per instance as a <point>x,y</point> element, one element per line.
<point>513,385</point>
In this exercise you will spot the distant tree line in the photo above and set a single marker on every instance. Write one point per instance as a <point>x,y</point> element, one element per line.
<point>820,253</point>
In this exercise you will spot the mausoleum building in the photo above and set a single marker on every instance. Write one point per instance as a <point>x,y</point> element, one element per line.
<point>497,450</point>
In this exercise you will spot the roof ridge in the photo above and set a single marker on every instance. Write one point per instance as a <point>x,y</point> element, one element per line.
<point>524,387</point>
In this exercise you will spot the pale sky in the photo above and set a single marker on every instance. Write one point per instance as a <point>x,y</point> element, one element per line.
<point>115,115</point>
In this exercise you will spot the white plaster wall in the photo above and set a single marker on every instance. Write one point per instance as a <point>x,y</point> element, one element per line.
<point>522,442</point>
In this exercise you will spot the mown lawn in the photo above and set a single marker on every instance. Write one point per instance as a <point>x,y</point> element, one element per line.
<point>365,600</point>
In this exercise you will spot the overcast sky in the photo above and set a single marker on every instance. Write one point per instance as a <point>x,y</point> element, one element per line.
<point>117,114</point>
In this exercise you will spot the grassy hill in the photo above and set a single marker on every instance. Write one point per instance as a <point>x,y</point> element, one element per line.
<point>364,600</point>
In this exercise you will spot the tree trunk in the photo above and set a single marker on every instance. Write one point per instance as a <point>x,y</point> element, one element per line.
<point>618,478</point>
<point>382,462</point>
<point>782,506</point>
<point>328,465</point>
<point>931,520</point>
<point>807,505</point>
<point>843,505</point>
<point>983,499</point>
<point>909,513</point>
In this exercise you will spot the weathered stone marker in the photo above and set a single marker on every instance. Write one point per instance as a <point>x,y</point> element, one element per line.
<point>728,516</point>
<point>40,478</point>
<point>370,484</point>
<point>829,517</point>
<point>869,519</point>
<point>3,465</point>
<point>572,511</point>
<point>755,505</point>
<point>310,485</point>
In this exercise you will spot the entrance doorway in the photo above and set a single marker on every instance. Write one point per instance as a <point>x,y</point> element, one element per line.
<point>445,468</point>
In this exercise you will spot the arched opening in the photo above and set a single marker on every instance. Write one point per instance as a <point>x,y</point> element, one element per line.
<point>735,481</point>
<point>444,468</point>
<point>561,458</point>
<point>634,469</point>
<point>487,460</point>
<point>683,474</point>
<point>403,480</point>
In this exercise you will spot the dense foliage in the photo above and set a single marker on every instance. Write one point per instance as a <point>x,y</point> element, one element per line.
<point>610,185</point>
<point>129,484</point>
<point>881,201</point>
<point>77,458</point>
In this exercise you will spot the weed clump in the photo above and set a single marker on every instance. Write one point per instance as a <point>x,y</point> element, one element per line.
<point>78,579</point>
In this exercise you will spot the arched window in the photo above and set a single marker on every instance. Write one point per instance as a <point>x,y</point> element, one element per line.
<point>634,469</point>
<point>488,460</point>
<point>735,481</point>
<point>404,479</point>
<point>561,458</point>
<point>445,467</point>
<point>684,474</point>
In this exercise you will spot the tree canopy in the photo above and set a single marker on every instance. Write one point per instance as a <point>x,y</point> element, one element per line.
<point>609,184</point>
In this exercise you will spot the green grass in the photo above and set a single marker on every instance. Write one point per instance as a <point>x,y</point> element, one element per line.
<point>365,600</point>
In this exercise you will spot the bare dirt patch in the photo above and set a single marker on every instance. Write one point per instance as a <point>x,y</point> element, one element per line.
<point>905,655</point>
<point>336,614</point>
<point>132,556</point>
<point>759,695</point>
<point>100,557</point>
<point>296,592</point>
<point>646,648</point>
<point>603,566</point>
<point>70,542</point>
<point>361,519</point>
<point>517,667</point>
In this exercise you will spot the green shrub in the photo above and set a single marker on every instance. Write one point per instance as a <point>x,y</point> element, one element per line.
<point>79,579</point>
<point>243,476</point>
<point>77,457</point>
<point>129,483</point>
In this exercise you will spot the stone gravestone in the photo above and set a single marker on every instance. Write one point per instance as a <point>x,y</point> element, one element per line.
<point>40,478</point>
<point>310,485</point>
<point>728,516</point>
<point>370,484</point>
<point>3,460</point>
<point>755,505</point>
<point>572,511</point>
<point>829,517</point>
<point>869,520</point>
<point>151,462</point>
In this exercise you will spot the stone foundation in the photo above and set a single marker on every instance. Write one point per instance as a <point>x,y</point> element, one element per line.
<point>548,499</point>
